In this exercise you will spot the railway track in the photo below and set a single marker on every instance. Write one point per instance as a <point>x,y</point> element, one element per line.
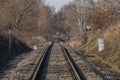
<point>86,67</point>
<point>57,64</point>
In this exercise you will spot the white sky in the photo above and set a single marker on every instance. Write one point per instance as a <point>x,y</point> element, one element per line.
<point>57,3</point>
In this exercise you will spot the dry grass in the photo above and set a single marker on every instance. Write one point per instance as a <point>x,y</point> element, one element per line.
<point>111,54</point>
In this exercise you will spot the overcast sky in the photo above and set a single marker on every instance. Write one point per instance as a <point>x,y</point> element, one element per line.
<point>57,3</point>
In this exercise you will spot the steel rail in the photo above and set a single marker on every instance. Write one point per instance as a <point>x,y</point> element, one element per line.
<point>36,71</point>
<point>76,71</point>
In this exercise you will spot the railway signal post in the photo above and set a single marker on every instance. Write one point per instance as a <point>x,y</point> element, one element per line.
<point>88,30</point>
<point>10,33</point>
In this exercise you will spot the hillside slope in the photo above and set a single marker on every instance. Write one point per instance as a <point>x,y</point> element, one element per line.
<point>26,19</point>
<point>111,53</point>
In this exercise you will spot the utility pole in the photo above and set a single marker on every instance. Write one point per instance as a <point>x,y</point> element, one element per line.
<point>82,13</point>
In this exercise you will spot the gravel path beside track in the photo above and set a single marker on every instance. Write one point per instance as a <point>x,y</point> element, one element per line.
<point>21,66</point>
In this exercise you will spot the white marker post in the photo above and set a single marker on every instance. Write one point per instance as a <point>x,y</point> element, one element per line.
<point>10,33</point>
<point>35,47</point>
<point>100,44</point>
<point>49,42</point>
<point>61,43</point>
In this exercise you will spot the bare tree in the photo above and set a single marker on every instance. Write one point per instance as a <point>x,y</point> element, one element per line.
<point>27,17</point>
